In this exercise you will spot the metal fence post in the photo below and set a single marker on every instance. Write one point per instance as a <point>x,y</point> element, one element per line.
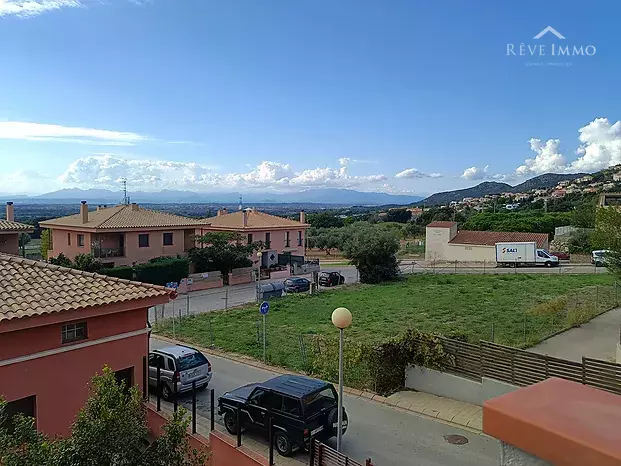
<point>270,436</point>
<point>193,406</point>
<point>455,266</point>
<point>483,266</point>
<point>158,388</point>
<point>187,299</point>
<point>238,425</point>
<point>311,452</point>
<point>226,299</point>
<point>213,410</point>
<point>175,400</point>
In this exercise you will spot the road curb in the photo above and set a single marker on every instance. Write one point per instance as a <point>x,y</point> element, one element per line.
<point>367,396</point>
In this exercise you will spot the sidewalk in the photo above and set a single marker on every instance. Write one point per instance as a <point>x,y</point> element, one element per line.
<point>451,411</point>
<point>464,415</point>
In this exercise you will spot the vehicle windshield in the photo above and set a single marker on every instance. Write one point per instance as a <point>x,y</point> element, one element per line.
<point>598,253</point>
<point>191,361</point>
<point>299,280</point>
<point>318,401</point>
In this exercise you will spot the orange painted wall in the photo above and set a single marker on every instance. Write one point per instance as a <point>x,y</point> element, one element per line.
<point>60,244</point>
<point>9,243</point>
<point>35,339</point>
<point>225,452</point>
<point>60,381</point>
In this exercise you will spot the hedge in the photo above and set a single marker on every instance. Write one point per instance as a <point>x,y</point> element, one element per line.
<point>158,271</point>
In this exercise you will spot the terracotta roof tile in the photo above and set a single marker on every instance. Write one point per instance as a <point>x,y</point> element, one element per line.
<point>439,224</point>
<point>29,288</point>
<point>490,238</point>
<point>255,219</point>
<point>124,216</point>
<point>6,225</point>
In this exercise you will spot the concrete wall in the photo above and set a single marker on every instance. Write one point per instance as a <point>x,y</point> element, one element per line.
<point>436,242</point>
<point>470,253</point>
<point>454,386</point>
<point>619,353</point>
<point>9,243</point>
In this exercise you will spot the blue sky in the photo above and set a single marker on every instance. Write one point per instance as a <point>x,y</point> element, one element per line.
<point>396,96</point>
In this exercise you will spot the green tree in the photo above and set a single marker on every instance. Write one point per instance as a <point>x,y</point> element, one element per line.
<point>584,216</point>
<point>46,242</point>
<point>24,239</point>
<point>580,242</point>
<point>61,260</point>
<point>222,251</point>
<point>372,250</point>
<point>325,239</point>
<point>86,262</point>
<point>607,235</point>
<point>325,220</point>
<point>398,215</point>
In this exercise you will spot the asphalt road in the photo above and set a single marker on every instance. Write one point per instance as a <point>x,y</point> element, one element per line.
<point>221,298</point>
<point>388,436</point>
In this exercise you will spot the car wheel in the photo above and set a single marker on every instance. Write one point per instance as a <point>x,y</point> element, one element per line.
<point>166,392</point>
<point>548,264</point>
<point>282,443</point>
<point>230,422</point>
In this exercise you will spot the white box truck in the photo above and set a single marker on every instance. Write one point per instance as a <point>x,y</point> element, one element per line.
<point>526,253</point>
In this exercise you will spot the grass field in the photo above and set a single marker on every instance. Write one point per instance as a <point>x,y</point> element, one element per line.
<point>523,309</point>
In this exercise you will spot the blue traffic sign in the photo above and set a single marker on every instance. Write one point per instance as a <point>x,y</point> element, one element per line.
<point>265,307</point>
<point>174,285</point>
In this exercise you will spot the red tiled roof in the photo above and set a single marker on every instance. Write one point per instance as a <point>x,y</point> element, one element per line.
<point>439,224</point>
<point>490,238</point>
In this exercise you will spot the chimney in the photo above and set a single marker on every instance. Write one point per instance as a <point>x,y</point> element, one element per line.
<point>224,211</point>
<point>135,207</point>
<point>245,218</point>
<point>99,207</point>
<point>219,213</point>
<point>10,213</point>
<point>302,217</point>
<point>84,211</point>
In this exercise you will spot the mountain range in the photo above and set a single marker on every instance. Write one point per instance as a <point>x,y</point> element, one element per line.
<point>545,181</point>
<point>316,196</point>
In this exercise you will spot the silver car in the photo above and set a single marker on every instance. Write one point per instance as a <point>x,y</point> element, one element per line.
<point>185,364</point>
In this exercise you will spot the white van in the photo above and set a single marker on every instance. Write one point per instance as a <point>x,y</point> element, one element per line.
<point>523,253</point>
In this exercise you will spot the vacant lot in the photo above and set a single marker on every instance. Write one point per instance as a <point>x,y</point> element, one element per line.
<point>523,309</point>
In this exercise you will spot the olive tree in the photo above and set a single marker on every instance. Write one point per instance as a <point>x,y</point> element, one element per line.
<point>373,251</point>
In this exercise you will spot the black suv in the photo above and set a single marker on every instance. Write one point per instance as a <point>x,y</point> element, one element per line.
<point>300,408</point>
<point>331,278</point>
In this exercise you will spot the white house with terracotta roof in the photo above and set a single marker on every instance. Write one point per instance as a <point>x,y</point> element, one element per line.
<point>444,242</point>
<point>121,235</point>
<point>279,235</point>
<point>10,231</point>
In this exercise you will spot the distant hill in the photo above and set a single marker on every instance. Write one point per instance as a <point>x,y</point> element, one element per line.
<point>315,196</point>
<point>487,187</point>
<point>547,180</point>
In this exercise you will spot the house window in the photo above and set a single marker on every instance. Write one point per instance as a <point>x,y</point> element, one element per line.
<point>299,238</point>
<point>168,239</point>
<point>81,240</point>
<point>143,240</point>
<point>268,240</point>
<point>25,406</point>
<point>69,239</point>
<point>73,332</point>
<point>287,240</point>
<point>249,238</point>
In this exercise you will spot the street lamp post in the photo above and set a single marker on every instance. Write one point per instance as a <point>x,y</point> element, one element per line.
<point>341,318</point>
<point>259,255</point>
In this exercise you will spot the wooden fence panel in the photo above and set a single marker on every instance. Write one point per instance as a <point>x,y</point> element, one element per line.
<point>323,455</point>
<point>467,358</point>
<point>602,374</point>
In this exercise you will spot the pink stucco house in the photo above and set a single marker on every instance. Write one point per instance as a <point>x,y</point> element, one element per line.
<point>10,231</point>
<point>121,235</point>
<point>279,235</point>
<point>128,234</point>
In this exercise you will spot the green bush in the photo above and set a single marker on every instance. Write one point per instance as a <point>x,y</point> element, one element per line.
<point>125,272</point>
<point>160,271</point>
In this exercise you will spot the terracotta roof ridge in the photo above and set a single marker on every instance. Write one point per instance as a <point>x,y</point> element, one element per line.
<point>60,268</point>
<point>16,222</point>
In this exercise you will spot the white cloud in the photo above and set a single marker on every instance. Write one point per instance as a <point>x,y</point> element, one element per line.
<point>475,173</point>
<point>107,170</point>
<point>57,133</point>
<point>411,173</point>
<point>28,8</point>
<point>547,159</point>
<point>27,181</point>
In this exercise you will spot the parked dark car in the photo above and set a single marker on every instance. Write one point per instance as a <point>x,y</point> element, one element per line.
<point>300,408</point>
<point>562,256</point>
<point>296,285</point>
<point>331,278</point>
